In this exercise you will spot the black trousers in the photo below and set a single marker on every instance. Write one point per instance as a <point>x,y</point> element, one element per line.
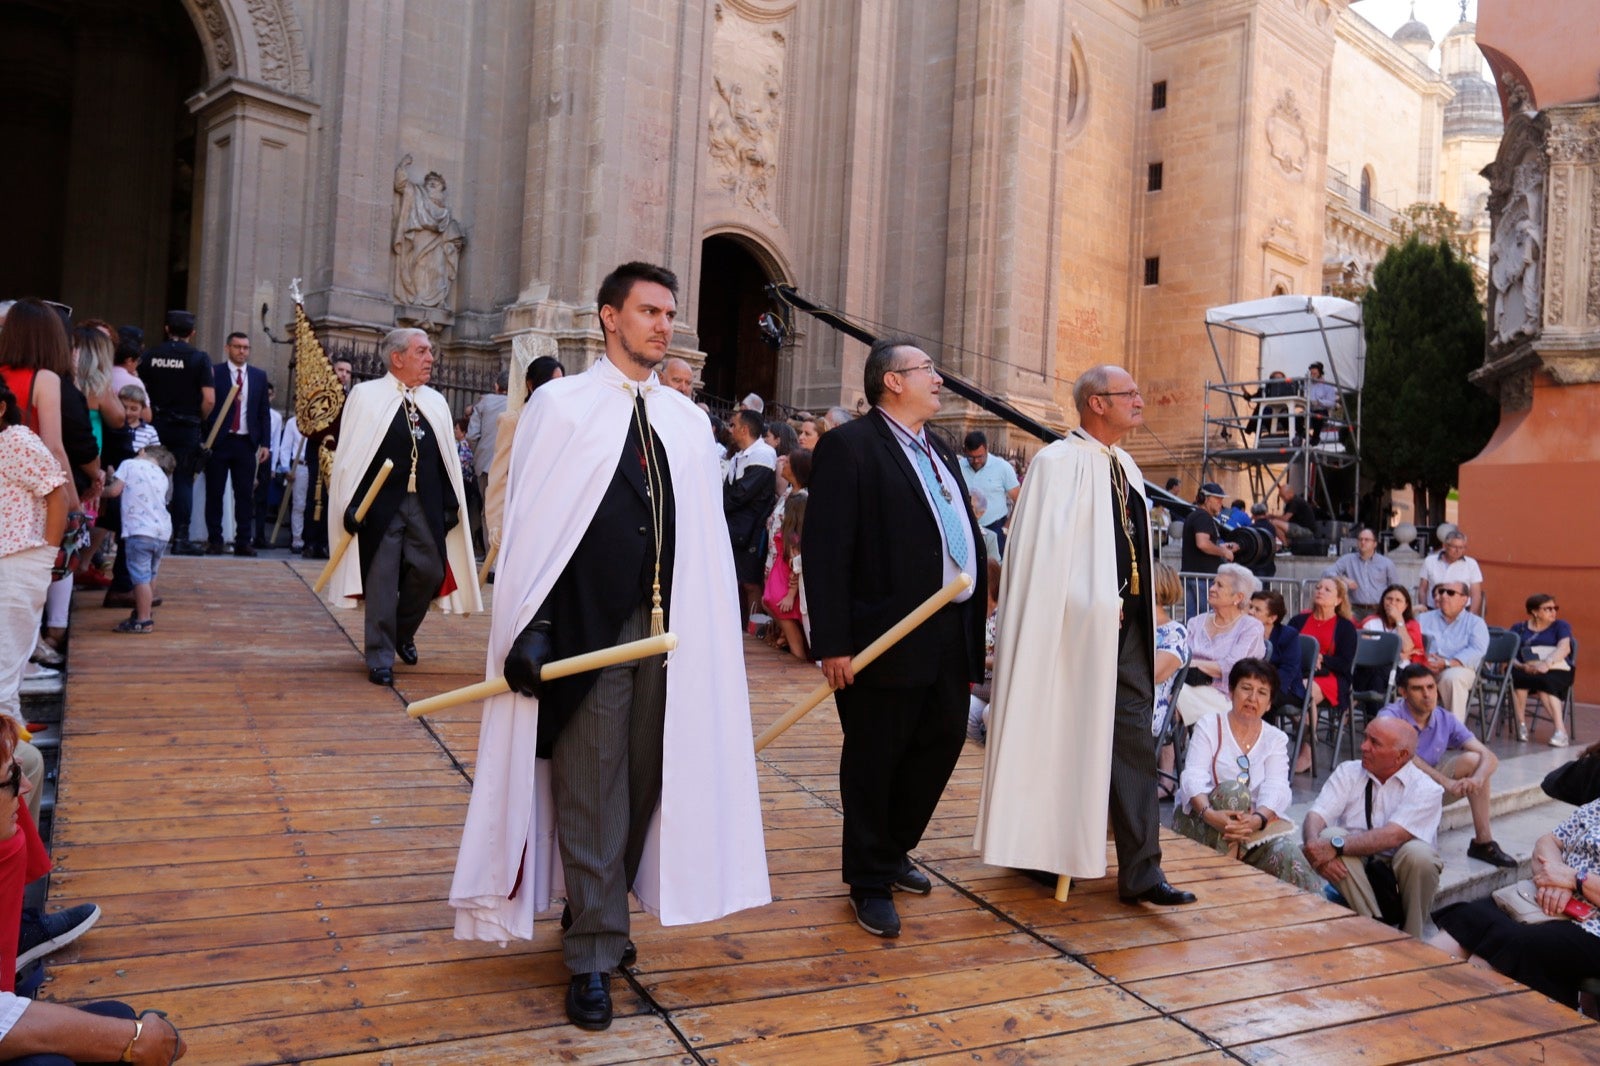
<point>181,437</point>
<point>900,745</point>
<point>233,458</point>
<point>1135,814</point>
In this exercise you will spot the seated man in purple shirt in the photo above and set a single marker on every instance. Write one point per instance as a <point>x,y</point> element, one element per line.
<point>1449,753</point>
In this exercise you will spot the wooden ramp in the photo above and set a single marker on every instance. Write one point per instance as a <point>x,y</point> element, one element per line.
<point>271,840</point>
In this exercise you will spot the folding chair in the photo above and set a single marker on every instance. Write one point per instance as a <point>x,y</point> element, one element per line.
<point>1172,732</point>
<point>1492,685</point>
<point>1377,654</point>
<point>1310,659</point>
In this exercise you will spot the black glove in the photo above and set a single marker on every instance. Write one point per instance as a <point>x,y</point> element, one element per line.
<point>352,524</point>
<point>452,519</point>
<point>528,655</point>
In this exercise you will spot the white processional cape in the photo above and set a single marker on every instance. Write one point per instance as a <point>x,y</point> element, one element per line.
<point>368,411</point>
<point>1047,765</point>
<point>705,856</point>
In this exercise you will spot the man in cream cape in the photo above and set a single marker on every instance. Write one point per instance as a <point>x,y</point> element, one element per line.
<point>587,820</point>
<point>1069,725</point>
<point>413,547</point>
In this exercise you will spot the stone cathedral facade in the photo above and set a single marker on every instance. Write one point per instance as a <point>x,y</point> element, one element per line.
<point>1033,185</point>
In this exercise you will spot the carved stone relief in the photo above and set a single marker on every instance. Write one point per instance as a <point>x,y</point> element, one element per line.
<point>216,27</point>
<point>745,122</point>
<point>1519,254</point>
<point>1573,146</point>
<point>1286,136</point>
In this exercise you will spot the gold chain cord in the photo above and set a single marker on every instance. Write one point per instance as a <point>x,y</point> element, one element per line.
<point>414,420</point>
<point>1119,486</point>
<point>653,482</point>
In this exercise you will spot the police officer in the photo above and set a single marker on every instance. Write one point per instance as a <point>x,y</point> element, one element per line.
<point>181,385</point>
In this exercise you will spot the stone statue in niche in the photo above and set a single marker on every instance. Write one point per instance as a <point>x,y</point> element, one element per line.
<point>743,139</point>
<point>427,240</point>
<point>1514,257</point>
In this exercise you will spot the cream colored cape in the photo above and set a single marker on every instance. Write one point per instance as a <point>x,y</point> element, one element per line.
<point>368,411</point>
<point>705,856</point>
<point>1047,766</point>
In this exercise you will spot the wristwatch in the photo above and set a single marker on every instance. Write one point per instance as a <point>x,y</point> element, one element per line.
<point>1578,878</point>
<point>1338,845</point>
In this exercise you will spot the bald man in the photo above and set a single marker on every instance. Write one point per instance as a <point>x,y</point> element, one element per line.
<point>1380,809</point>
<point>677,375</point>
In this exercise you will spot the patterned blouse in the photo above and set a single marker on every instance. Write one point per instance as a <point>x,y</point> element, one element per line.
<point>28,473</point>
<point>1580,845</point>
<point>1172,638</point>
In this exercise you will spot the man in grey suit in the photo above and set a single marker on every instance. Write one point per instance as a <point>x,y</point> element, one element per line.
<point>483,427</point>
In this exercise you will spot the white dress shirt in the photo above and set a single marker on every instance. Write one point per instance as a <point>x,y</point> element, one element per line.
<point>1410,799</point>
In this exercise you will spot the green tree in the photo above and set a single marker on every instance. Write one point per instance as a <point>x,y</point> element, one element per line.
<point>1421,417</point>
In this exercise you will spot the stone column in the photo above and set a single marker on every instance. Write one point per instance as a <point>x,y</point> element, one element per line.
<point>250,180</point>
<point>1544,364</point>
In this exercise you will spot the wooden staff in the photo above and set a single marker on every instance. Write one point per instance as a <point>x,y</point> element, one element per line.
<point>1063,886</point>
<point>577,664</point>
<point>288,498</point>
<point>488,561</point>
<point>211,438</point>
<point>346,536</point>
<point>925,610</point>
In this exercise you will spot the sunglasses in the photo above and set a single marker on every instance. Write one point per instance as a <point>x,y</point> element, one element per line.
<point>12,782</point>
<point>1244,770</point>
<point>1446,592</point>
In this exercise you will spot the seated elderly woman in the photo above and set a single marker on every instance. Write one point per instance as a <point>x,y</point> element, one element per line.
<point>1543,666</point>
<point>1553,957</point>
<point>1218,638</point>
<point>1235,782</point>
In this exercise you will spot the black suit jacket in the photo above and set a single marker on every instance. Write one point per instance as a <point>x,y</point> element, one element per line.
<point>257,418</point>
<point>872,553</point>
<point>607,578</point>
<point>434,491</point>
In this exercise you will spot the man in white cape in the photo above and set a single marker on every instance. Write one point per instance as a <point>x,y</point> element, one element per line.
<point>650,783</point>
<point>1069,725</point>
<point>412,548</point>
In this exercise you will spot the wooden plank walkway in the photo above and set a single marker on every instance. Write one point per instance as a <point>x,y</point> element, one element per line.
<point>271,840</point>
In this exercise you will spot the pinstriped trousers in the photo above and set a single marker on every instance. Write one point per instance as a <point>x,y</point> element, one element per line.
<point>606,782</point>
<point>1135,814</point>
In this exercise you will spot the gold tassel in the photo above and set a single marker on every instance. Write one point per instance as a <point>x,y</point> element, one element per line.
<point>411,481</point>
<point>658,617</point>
<point>1133,581</point>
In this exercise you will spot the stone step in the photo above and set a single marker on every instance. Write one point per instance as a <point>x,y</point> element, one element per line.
<point>1467,879</point>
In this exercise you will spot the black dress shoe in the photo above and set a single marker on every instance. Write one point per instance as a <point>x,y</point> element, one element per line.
<point>381,675</point>
<point>407,652</point>
<point>1161,893</point>
<point>244,549</point>
<point>913,881</point>
<point>316,553</point>
<point>1491,853</point>
<point>589,1000</point>
<point>214,547</point>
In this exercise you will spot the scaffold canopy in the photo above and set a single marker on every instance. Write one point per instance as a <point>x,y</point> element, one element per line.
<point>1296,331</point>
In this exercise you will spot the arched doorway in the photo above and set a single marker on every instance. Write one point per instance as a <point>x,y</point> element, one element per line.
<point>102,150</point>
<point>732,297</point>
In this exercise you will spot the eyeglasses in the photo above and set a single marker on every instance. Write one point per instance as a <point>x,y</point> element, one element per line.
<point>12,782</point>
<point>928,366</point>
<point>1134,393</point>
<point>1550,607</point>
<point>1446,592</point>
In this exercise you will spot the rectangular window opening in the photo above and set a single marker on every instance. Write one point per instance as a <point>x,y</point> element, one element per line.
<point>1158,96</point>
<point>1152,270</point>
<point>1154,182</point>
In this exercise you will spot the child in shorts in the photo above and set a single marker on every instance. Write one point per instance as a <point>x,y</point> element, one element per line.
<point>142,483</point>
